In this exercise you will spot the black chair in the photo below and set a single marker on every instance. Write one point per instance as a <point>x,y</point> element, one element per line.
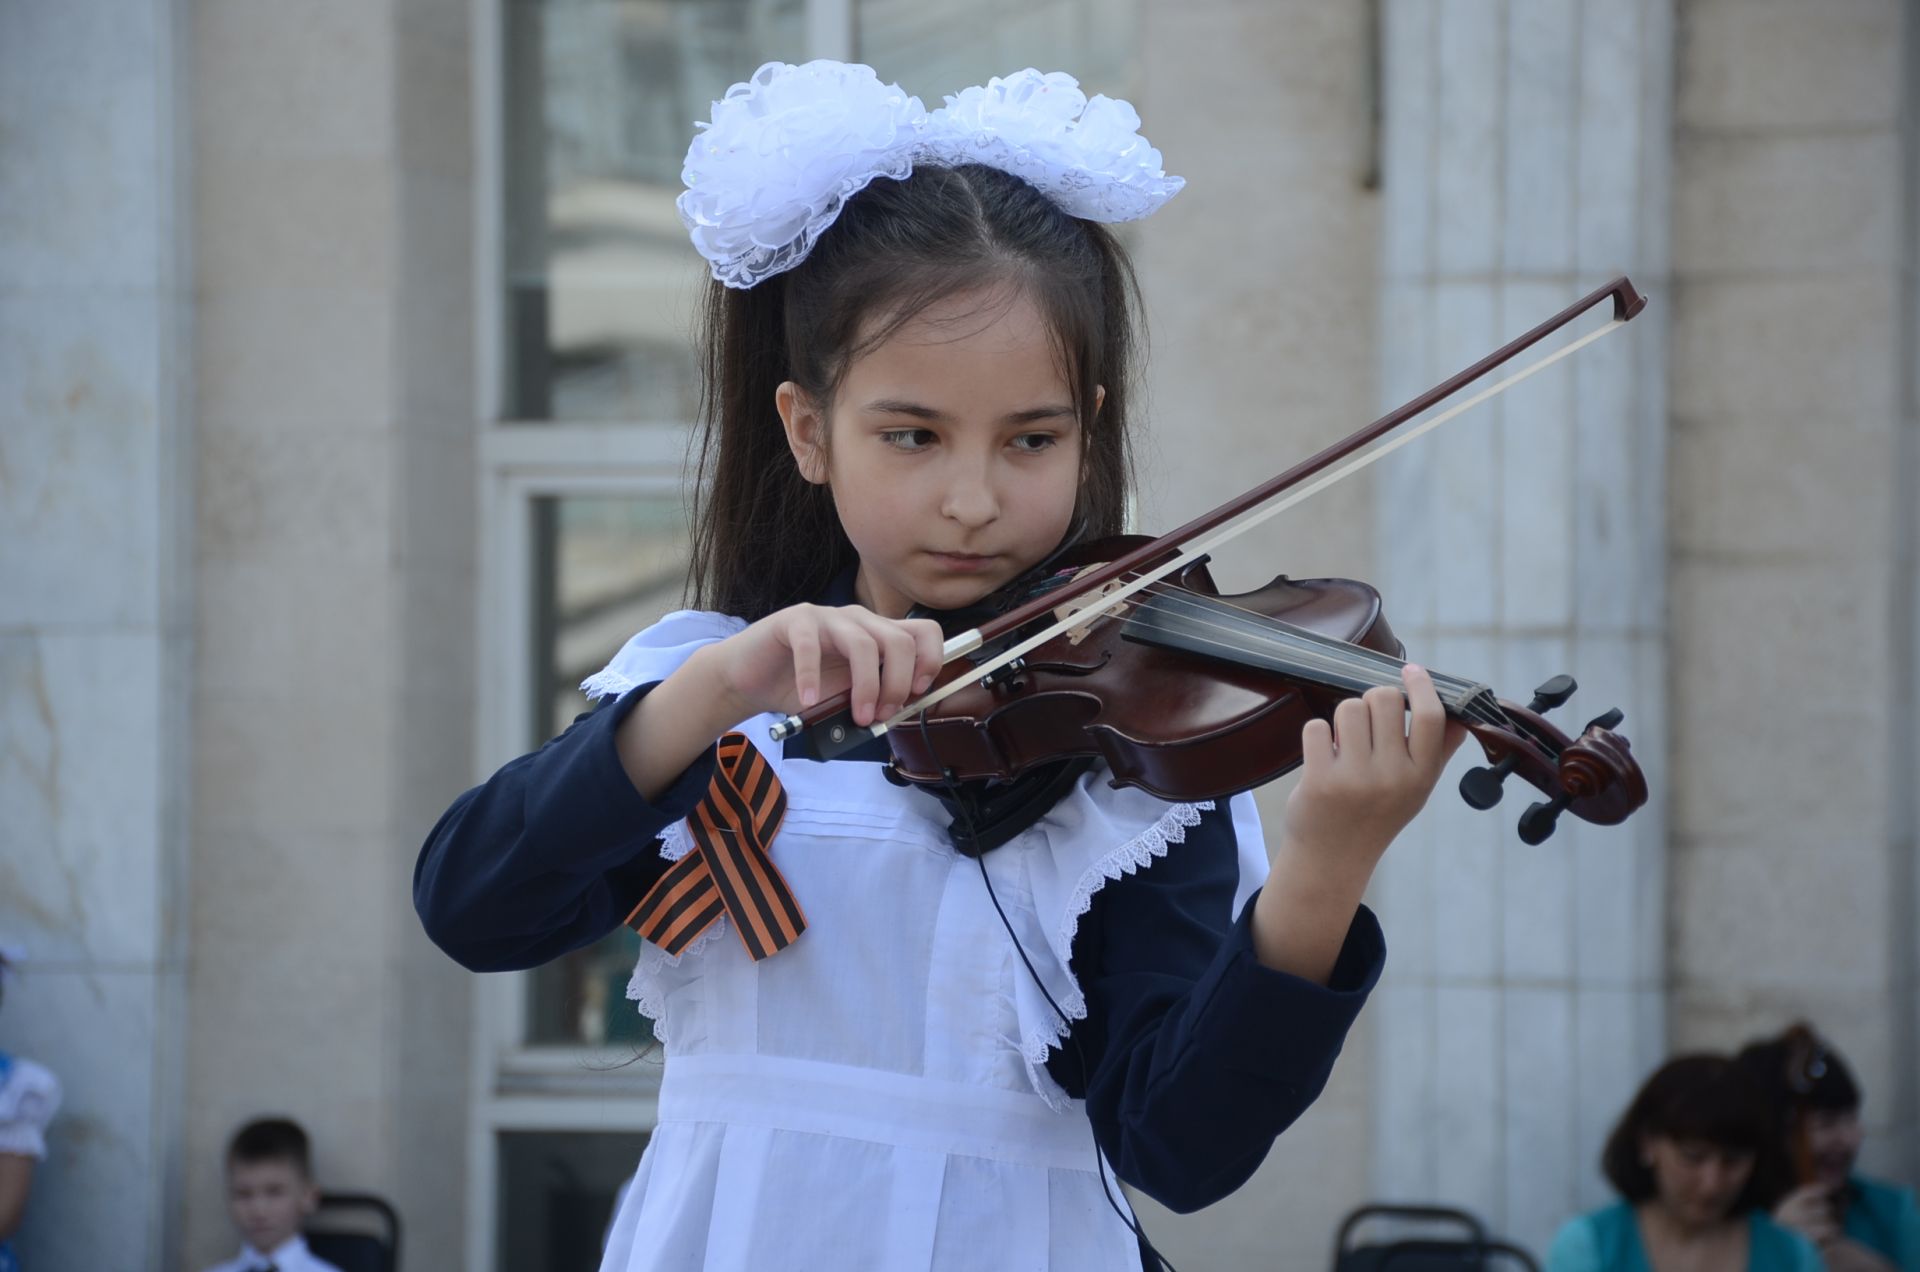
<point>1462,1256</point>
<point>1424,1236</point>
<point>1429,1239</point>
<point>356,1232</point>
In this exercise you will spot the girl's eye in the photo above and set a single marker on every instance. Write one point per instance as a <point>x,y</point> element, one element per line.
<point>908,439</point>
<point>1034,443</point>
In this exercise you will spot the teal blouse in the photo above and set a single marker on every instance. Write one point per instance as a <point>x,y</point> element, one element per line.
<point>1886,1220</point>
<point>1609,1241</point>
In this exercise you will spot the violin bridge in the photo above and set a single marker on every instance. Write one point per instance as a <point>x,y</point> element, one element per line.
<point>1090,609</point>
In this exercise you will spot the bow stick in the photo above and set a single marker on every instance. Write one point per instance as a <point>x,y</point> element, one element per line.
<point>1170,551</point>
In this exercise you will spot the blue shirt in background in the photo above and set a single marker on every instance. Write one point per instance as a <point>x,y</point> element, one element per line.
<point>1885,1219</point>
<point>1609,1241</point>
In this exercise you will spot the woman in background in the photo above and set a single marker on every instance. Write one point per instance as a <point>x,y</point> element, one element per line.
<point>1692,1159</point>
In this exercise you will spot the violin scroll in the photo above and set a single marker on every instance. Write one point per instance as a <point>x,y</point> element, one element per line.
<point>1593,776</point>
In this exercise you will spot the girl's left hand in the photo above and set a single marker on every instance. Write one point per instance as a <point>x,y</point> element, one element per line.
<point>1367,774</point>
<point>1362,780</point>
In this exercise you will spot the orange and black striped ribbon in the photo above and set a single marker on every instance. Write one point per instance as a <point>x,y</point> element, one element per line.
<point>728,871</point>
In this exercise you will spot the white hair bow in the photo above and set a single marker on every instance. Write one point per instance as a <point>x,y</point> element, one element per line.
<point>787,148</point>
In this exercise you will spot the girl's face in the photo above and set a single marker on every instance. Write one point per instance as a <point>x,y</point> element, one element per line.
<point>1696,1182</point>
<point>954,452</point>
<point>1833,1141</point>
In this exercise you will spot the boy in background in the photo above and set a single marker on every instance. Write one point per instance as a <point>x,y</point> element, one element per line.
<point>270,1192</point>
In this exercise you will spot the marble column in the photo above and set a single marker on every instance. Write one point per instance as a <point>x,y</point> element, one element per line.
<point>95,609</point>
<point>1526,156</point>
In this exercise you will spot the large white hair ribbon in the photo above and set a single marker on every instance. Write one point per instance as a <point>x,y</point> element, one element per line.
<point>787,148</point>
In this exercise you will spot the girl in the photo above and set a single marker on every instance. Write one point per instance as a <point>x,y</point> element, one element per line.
<point>1861,1224</point>
<point>918,352</point>
<point>1692,1159</point>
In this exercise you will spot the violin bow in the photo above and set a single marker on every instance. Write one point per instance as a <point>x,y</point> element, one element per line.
<point>1166,554</point>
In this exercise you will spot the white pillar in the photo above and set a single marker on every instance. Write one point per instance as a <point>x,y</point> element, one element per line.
<point>1525,162</point>
<point>95,609</point>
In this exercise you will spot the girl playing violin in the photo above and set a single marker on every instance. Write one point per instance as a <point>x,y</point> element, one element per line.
<point>919,350</point>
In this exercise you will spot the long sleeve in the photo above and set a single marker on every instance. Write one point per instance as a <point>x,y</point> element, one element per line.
<point>550,853</point>
<point>1199,1056</point>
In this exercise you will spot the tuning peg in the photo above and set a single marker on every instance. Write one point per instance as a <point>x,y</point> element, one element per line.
<point>1537,823</point>
<point>1552,694</point>
<point>1480,787</point>
<point>1610,720</point>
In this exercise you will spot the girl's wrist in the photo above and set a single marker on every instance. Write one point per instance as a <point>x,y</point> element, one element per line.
<point>726,707</point>
<point>1334,869</point>
<point>676,723</point>
<point>1304,911</point>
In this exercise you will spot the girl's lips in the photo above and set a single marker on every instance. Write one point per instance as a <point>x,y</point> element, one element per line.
<point>962,562</point>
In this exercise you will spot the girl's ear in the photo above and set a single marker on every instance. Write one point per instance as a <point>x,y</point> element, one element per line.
<point>806,425</point>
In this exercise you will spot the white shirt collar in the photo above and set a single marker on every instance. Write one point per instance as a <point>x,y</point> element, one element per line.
<point>289,1256</point>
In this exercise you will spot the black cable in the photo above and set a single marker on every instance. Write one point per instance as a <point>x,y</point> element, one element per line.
<point>961,808</point>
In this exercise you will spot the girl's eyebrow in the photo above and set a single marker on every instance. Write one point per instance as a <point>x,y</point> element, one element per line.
<point>898,406</point>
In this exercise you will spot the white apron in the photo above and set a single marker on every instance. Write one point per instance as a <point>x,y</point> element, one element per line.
<point>875,1096</point>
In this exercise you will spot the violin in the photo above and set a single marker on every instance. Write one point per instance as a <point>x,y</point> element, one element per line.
<point>1124,650</point>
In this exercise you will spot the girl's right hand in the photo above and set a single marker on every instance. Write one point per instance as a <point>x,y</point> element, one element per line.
<point>797,656</point>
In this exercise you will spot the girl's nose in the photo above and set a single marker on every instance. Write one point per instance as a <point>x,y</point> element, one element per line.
<point>970,497</point>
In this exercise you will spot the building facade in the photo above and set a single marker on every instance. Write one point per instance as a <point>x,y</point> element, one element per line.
<point>344,387</point>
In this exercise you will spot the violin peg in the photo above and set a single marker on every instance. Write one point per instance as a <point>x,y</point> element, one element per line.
<point>1553,694</point>
<point>1610,720</point>
<point>1538,822</point>
<point>1481,787</point>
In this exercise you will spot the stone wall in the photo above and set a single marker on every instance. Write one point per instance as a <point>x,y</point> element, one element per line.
<point>1792,564</point>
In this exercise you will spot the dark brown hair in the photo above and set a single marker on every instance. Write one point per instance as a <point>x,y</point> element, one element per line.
<point>763,536</point>
<point>1705,1098</point>
<point>271,1139</point>
<point>1802,1071</point>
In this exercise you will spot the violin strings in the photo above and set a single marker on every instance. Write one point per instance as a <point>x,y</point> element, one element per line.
<point>1469,708</point>
<point>1272,635</point>
<point>1352,671</point>
<point>1356,658</point>
<point>1353,660</point>
<point>1319,654</point>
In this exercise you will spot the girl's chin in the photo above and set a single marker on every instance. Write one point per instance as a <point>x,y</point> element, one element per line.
<point>954,591</point>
